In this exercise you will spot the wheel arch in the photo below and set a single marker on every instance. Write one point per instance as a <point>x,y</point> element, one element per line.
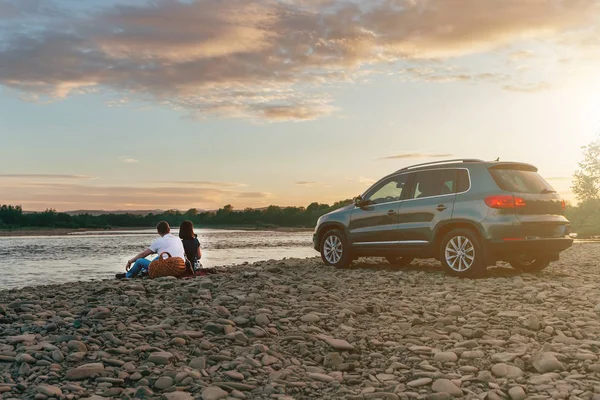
<point>444,228</point>
<point>330,226</point>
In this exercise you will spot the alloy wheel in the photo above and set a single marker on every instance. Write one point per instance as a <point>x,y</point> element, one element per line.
<point>460,254</point>
<point>333,249</point>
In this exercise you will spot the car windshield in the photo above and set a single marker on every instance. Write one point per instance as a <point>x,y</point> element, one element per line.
<point>521,181</point>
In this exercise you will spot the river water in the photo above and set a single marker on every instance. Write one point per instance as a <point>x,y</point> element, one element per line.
<point>42,260</point>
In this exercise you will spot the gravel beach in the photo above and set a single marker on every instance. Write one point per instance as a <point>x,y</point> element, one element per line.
<point>295,329</point>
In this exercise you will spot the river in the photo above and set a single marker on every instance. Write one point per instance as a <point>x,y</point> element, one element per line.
<point>42,260</point>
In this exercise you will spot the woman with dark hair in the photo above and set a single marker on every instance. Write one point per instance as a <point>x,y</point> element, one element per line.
<point>191,244</point>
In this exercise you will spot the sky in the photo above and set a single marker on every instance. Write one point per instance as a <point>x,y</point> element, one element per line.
<point>135,104</point>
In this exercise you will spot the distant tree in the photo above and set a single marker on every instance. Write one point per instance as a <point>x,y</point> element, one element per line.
<point>586,181</point>
<point>192,212</point>
<point>313,207</point>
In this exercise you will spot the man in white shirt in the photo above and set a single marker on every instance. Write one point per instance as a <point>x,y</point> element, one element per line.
<point>166,243</point>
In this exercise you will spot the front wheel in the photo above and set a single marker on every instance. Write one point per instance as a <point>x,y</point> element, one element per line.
<point>462,254</point>
<point>530,266</point>
<point>335,249</point>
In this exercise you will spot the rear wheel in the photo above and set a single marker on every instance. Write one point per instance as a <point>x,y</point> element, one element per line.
<point>335,249</point>
<point>530,266</point>
<point>399,261</point>
<point>462,254</point>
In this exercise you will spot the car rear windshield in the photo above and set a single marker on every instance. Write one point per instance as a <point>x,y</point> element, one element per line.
<point>520,181</point>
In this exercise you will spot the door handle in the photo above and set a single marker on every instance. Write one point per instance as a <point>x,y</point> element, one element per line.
<point>442,207</point>
<point>391,213</point>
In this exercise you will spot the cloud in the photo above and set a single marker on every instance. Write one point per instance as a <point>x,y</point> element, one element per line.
<point>450,73</point>
<point>534,87</point>
<point>43,176</point>
<point>253,195</point>
<point>128,160</point>
<point>264,59</point>
<point>202,183</point>
<point>312,184</point>
<point>521,55</point>
<point>405,156</point>
<point>296,112</point>
<point>66,196</point>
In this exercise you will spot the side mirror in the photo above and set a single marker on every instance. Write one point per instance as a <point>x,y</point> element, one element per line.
<point>358,201</point>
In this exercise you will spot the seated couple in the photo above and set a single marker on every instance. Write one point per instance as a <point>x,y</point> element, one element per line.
<point>186,247</point>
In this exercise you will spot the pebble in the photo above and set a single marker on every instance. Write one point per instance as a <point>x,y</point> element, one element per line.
<point>160,358</point>
<point>58,356</point>
<point>533,323</point>
<point>420,382</point>
<point>339,344</point>
<point>546,362</point>
<point>164,382</point>
<point>198,363</point>
<point>470,355</point>
<point>262,320</point>
<point>517,393</point>
<point>447,356</point>
<point>506,371</point>
<point>320,377</point>
<point>85,372</point>
<point>446,386</point>
<point>310,318</point>
<point>50,391</point>
<point>213,393</point>
<point>25,358</point>
<point>235,375</point>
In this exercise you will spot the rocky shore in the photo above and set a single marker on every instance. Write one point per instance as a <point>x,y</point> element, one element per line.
<point>295,329</point>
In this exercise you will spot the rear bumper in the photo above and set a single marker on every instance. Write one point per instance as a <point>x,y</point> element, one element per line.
<point>534,247</point>
<point>315,244</point>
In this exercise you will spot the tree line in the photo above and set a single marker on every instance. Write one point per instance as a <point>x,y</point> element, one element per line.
<point>13,217</point>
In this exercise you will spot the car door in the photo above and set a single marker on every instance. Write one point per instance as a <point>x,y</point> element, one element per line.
<point>375,222</point>
<point>431,200</point>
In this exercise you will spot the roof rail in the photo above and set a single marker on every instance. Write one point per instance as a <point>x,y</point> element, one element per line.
<point>464,160</point>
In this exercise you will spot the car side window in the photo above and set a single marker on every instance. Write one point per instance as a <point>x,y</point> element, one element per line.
<point>388,191</point>
<point>433,183</point>
<point>448,185</point>
<point>462,181</point>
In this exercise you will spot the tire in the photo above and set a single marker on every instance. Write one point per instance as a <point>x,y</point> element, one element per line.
<point>530,267</point>
<point>471,263</point>
<point>335,249</point>
<point>399,261</point>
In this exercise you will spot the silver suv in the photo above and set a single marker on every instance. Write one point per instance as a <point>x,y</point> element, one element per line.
<point>466,213</point>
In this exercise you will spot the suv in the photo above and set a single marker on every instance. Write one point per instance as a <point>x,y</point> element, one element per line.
<point>466,213</point>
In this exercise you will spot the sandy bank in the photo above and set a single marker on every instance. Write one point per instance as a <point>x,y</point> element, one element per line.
<point>298,330</point>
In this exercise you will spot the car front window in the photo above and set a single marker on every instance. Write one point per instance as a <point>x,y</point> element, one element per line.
<point>387,191</point>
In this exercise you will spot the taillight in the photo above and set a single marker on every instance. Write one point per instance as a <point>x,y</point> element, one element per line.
<point>504,202</point>
<point>563,205</point>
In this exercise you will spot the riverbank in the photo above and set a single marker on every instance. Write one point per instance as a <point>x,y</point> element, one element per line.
<point>295,329</point>
<point>132,231</point>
